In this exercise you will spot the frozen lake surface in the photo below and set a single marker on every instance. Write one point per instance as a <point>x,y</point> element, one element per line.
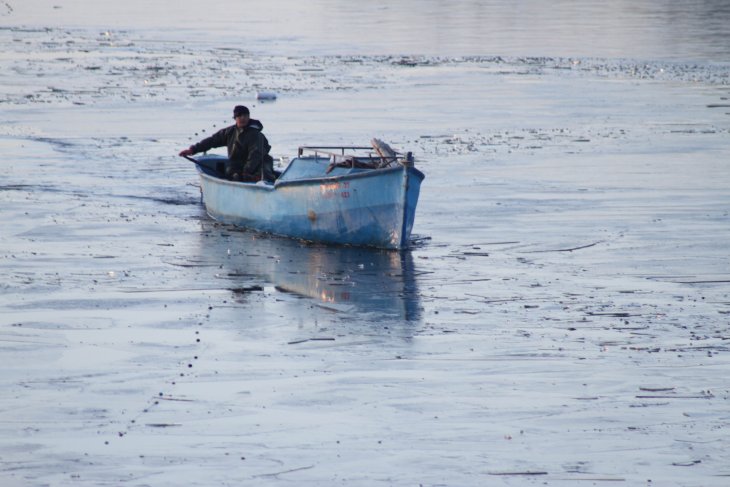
<point>562,317</point>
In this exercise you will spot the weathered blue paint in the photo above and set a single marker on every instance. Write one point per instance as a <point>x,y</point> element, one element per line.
<point>367,207</point>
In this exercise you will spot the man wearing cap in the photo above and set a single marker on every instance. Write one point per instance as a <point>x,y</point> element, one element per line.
<point>248,149</point>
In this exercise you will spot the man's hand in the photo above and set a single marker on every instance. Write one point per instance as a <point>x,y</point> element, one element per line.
<point>186,152</point>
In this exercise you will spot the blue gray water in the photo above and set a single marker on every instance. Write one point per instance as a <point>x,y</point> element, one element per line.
<point>561,316</point>
<point>693,30</point>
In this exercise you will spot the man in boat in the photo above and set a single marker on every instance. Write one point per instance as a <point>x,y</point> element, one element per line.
<point>248,149</point>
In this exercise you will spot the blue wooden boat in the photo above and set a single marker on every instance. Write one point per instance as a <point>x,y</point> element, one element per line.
<point>322,196</point>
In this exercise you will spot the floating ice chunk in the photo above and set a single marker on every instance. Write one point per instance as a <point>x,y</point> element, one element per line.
<point>266,96</point>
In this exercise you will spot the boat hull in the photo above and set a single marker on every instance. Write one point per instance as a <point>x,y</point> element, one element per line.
<point>369,208</point>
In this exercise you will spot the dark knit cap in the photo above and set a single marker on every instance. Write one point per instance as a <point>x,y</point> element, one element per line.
<point>240,110</point>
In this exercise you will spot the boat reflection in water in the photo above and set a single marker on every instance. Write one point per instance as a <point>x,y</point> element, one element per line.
<point>370,282</point>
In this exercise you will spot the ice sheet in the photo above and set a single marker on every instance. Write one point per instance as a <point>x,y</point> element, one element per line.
<point>562,317</point>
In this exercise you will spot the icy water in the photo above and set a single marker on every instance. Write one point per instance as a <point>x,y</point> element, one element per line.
<point>562,316</point>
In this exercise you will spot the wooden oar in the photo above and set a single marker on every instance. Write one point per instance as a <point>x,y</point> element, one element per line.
<point>217,171</point>
<point>194,161</point>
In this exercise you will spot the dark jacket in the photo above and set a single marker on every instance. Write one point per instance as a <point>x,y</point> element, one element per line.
<point>248,151</point>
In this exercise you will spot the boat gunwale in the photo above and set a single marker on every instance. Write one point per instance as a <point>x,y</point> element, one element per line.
<point>299,182</point>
